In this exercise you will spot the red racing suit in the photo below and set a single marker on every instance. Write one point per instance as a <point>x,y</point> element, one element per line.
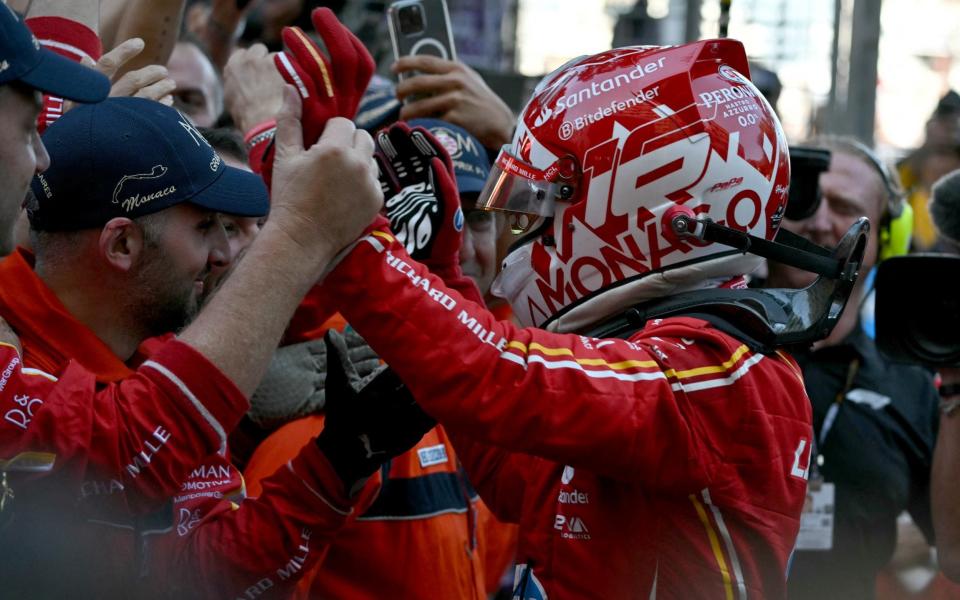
<point>73,534</point>
<point>672,462</point>
<point>136,438</point>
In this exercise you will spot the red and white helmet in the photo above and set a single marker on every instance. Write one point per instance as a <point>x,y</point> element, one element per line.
<point>607,151</point>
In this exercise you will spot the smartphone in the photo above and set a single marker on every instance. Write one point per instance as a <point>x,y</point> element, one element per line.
<point>420,27</point>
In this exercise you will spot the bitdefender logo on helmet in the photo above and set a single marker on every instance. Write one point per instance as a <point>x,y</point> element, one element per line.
<point>598,88</point>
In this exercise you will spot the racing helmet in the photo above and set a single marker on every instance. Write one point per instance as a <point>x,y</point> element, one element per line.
<point>607,152</point>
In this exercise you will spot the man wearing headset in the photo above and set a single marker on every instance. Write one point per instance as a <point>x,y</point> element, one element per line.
<point>875,422</point>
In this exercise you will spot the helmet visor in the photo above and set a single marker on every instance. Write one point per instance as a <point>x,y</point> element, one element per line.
<point>521,189</point>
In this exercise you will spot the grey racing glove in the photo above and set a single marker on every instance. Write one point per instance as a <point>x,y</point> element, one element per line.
<point>293,386</point>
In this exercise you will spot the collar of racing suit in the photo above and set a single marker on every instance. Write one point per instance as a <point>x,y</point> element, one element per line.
<point>725,271</point>
<point>50,335</point>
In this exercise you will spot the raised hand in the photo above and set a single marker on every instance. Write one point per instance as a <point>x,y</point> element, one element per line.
<point>452,91</point>
<point>326,195</point>
<point>423,206</point>
<point>151,82</point>
<point>294,384</point>
<point>252,88</point>
<point>330,86</point>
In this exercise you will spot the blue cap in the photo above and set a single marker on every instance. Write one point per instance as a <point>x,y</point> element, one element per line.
<point>470,162</point>
<point>379,106</point>
<point>130,157</point>
<point>23,59</point>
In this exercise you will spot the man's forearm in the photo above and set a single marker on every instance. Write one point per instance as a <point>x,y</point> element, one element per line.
<point>156,22</point>
<point>240,327</point>
<point>322,200</point>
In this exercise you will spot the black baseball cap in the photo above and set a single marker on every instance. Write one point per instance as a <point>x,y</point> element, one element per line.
<point>130,157</point>
<point>23,59</point>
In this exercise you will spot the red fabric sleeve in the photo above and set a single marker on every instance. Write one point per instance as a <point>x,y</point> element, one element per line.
<point>146,431</point>
<point>453,278</point>
<point>264,543</point>
<point>313,318</point>
<point>276,450</point>
<point>607,408</point>
<point>498,475</point>
<point>67,38</point>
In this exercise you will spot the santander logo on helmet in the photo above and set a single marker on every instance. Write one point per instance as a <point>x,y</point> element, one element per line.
<point>598,88</point>
<point>649,129</point>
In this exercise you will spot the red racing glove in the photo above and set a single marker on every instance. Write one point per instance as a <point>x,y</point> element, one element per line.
<point>423,204</point>
<point>330,85</point>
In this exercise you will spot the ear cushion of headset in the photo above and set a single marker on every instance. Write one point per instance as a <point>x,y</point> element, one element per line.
<point>895,237</point>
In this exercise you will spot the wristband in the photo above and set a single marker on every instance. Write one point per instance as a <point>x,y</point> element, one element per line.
<point>260,133</point>
<point>952,391</point>
<point>258,141</point>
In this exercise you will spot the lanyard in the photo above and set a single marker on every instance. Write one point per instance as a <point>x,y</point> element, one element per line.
<point>838,400</point>
<point>831,417</point>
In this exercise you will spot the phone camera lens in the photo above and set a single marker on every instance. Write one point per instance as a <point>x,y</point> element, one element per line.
<point>411,19</point>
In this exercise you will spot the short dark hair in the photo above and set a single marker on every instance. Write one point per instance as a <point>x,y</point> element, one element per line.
<point>226,141</point>
<point>945,206</point>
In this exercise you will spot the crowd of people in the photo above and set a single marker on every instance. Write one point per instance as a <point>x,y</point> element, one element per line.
<point>274,326</point>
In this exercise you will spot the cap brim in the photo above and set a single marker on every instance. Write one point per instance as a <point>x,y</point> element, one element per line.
<point>60,76</point>
<point>235,192</point>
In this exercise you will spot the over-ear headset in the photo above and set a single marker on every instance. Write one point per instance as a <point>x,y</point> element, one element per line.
<point>896,225</point>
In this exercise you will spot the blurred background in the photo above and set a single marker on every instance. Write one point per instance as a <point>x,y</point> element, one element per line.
<point>875,69</point>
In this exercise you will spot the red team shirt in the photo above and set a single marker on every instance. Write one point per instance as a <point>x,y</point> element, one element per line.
<point>138,497</point>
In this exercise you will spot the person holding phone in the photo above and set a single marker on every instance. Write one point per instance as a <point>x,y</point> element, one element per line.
<point>433,83</point>
<point>451,91</point>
